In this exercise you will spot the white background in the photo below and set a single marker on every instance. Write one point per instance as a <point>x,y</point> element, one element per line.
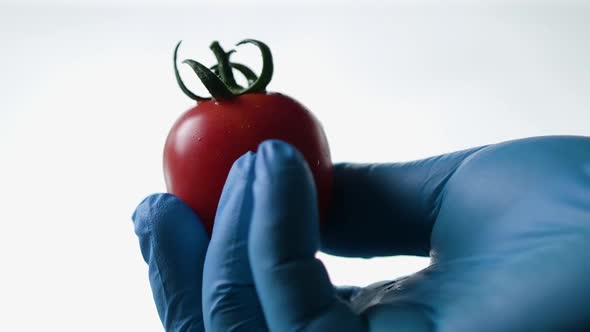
<point>87,96</point>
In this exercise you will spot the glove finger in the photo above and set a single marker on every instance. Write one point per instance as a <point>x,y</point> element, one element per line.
<point>293,286</point>
<point>173,243</point>
<point>386,209</point>
<point>229,297</point>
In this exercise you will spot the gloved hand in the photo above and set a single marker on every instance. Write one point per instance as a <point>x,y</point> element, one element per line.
<point>507,227</point>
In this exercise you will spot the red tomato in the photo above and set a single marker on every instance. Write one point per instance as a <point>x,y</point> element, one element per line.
<point>206,140</point>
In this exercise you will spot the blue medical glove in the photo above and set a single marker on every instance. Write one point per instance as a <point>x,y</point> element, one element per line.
<point>507,227</point>
<point>173,242</point>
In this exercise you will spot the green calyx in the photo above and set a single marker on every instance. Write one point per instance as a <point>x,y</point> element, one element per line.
<point>219,79</point>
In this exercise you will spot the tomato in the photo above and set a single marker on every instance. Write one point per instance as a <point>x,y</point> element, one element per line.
<point>206,140</point>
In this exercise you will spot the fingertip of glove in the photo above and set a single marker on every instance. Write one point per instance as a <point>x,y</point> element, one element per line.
<point>242,164</point>
<point>276,156</point>
<point>156,209</point>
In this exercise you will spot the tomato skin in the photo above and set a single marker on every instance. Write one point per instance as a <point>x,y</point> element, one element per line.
<point>206,140</point>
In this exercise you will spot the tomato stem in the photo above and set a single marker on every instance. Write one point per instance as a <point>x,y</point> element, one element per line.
<point>250,76</point>
<point>219,79</point>
<point>267,67</point>
<point>217,88</point>
<point>224,67</point>
<point>181,84</point>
